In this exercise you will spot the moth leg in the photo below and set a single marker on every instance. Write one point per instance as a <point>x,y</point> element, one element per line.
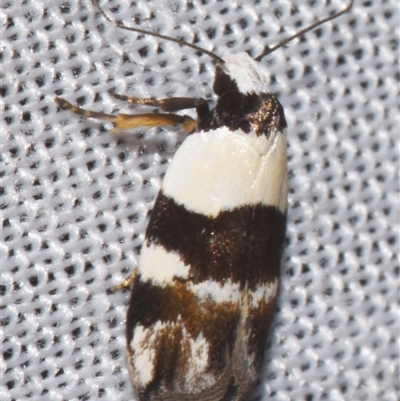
<point>204,115</point>
<point>125,283</point>
<point>167,104</point>
<point>82,112</point>
<point>123,122</point>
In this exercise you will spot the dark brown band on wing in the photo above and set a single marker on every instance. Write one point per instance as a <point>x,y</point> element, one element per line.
<point>244,244</point>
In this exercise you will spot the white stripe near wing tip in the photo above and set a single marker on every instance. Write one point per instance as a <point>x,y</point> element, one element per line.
<point>142,355</point>
<point>231,292</point>
<point>161,268</point>
<point>264,294</point>
<point>217,292</point>
<point>194,357</point>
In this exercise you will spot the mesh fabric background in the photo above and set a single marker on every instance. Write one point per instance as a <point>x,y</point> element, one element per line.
<point>75,200</point>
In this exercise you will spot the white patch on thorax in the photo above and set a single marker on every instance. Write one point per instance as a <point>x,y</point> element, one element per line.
<point>206,290</point>
<point>221,170</point>
<point>160,266</point>
<point>246,72</point>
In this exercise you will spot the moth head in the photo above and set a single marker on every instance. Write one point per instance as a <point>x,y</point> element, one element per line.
<point>240,73</point>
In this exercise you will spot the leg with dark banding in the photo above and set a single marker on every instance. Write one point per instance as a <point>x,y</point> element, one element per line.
<point>167,104</point>
<point>123,122</point>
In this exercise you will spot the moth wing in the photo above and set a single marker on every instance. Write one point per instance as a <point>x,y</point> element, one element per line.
<point>203,297</point>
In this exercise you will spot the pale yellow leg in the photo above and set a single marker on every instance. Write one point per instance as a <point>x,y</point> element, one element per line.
<point>123,122</point>
<point>125,283</point>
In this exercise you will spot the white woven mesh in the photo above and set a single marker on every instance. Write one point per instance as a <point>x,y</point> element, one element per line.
<point>75,200</point>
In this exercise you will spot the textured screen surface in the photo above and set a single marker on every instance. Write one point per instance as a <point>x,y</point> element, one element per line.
<point>75,200</point>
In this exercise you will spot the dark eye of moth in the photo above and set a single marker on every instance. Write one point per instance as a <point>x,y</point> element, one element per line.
<point>203,294</point>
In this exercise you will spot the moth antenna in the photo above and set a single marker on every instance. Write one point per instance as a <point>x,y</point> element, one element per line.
<point>157,35</point>
<point>303,31</point>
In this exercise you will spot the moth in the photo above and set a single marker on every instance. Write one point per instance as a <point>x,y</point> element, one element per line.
<point>203,294</point>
